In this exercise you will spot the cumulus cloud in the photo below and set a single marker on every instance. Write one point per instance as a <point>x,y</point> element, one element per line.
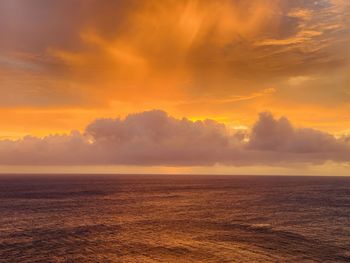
<point>278,141</point>
<point>155,138</point>
<point>279,135</point>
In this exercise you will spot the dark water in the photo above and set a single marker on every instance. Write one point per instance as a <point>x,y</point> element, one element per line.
<point>174,219</point>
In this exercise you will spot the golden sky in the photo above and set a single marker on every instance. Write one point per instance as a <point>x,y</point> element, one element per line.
<point>65,63</point>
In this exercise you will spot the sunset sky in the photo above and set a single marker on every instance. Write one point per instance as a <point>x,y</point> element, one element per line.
<point>175,86</point>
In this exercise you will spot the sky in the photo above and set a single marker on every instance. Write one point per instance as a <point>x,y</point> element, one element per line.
<point>175,86</point>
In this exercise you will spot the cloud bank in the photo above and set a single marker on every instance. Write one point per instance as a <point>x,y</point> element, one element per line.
<point>155,138</point>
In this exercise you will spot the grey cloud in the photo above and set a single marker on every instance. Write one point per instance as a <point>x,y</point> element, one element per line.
<point>270,134</point>
<point>154,138</point>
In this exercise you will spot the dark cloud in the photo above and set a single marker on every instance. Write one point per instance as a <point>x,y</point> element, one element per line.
<point>154,138</point>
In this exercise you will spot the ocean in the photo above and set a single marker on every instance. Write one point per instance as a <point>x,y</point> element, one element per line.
<point>174,218</point>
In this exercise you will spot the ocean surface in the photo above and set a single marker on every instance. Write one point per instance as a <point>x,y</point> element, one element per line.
<point>174,218</point>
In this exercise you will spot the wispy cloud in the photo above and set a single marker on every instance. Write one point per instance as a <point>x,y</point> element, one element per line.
<point>189,57</point>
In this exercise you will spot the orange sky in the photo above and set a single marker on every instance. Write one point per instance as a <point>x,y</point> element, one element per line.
<point>65,63</point>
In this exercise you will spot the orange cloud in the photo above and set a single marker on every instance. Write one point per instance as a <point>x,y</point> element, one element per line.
<point>199,58</point>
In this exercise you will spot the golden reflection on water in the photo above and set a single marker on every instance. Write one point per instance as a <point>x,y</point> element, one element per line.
<point>174,219</point>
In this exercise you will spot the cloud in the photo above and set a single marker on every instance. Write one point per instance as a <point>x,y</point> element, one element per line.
<point>155,138</point>
<point>270,134</point>
<point>277,138</point>
<point>186,45</point>
<point>220,59</point>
